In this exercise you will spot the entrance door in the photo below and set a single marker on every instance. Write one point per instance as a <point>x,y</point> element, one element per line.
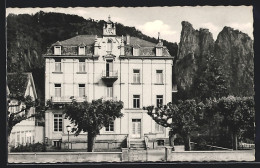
<point>109,68</point>
<point>136,128</point>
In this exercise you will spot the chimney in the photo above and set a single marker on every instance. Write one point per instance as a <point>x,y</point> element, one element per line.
<point>128,39</point>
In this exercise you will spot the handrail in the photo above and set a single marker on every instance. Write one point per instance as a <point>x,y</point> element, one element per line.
<point>109,73</point>
<point>215,146</point>
<point>67,98</point>
<point>146,139</point>
<point>128,142</point>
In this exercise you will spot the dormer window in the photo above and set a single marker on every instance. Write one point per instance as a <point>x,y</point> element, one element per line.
<point>159,51</point>
<point>57,50</point>
<point>136,52</point>
<point>81,50</point>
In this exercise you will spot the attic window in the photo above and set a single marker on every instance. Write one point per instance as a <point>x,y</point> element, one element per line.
<point>159,51</point>
<point>81,50</point>
<point>136,52</point>
<point>57,50</point>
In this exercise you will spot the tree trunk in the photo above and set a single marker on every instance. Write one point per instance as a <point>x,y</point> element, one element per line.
<point>187,143</point>
<point>91,142</point>
<point>235,141</point>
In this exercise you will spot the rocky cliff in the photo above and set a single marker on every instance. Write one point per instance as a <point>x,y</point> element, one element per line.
<point>233,52</point>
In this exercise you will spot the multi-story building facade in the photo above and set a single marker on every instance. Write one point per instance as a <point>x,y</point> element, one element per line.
<point>25,132</point>
<point>125,68</point>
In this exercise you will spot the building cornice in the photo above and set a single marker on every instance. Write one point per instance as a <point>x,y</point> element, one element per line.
<point>72,56</point>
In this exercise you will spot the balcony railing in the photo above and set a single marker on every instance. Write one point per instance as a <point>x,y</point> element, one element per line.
<point>109,74</point>
<point>110,98</point>
<point>67,99</point>
<point>109,77</point>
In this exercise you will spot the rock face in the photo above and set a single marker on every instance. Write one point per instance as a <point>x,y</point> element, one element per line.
<point>233,49</point>
<point>194,49</point>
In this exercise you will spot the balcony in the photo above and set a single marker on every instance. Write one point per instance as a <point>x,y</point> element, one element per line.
<point>109,77</point>
<point>67,99</point>
<point>109,98</point>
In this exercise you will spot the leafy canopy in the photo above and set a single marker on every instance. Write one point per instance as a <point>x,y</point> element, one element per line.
<point>181,117</point>
<point>92,116</point>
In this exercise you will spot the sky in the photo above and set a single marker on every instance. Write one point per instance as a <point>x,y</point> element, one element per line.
<point>166,20</point>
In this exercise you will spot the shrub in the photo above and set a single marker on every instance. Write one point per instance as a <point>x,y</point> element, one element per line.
<point>37,147</point>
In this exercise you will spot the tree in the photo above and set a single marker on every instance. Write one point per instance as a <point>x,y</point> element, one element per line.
<point>182,118</point>
<point>91,117</point>
<point>210,81</point>
<point>238,114</point>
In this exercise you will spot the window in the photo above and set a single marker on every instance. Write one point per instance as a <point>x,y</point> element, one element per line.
<point>57,144</point>
<point>109,91</point>
<point>135,51</point>
<point>136,101</point>
<point>82,65</point>
<point>160,142</point>
<point>81,90</point>
<point>109,45</point>
<point>81,50</point>
<point>158,51</point>
<point>159,100</point>
<point>57,50</point>
<point>18,138</point>
<point>57,65</point>
<point>110,126</point>
<point>14,107</point>
<point>136,76</point>
<point>57,90</point>
<point>159,76</point>
<point>22,140</point>
<point>159,128</point>
<point>58,122</point>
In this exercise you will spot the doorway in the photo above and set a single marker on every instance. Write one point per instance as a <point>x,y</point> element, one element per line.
<point>109,68</point>
<point>136,128</point>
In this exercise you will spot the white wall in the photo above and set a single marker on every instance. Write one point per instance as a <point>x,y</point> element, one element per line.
<point>123,87</point>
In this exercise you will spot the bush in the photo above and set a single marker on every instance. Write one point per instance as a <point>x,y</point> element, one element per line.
<point>37,147</point>
<point>178,141</point>
<point>200,144</point>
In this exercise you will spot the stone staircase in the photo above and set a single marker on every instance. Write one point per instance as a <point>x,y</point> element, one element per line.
<point>137,144</point>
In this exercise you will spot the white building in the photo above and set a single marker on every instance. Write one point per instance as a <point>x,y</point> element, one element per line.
<point>125,68</point>
<point>25,132</point>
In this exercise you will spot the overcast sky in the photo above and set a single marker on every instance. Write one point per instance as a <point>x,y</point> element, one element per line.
<point>166,20</point>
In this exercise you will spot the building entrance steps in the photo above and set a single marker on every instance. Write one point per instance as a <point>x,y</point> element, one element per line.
<point>137,144</point>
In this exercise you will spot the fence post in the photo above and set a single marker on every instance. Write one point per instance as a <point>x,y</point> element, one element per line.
<point>168,152</point>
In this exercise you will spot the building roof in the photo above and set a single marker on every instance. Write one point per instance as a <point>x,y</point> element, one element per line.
<point>146,48</point>
<point>77,40</point>
<point>19,86</point>
<point>140,42</point>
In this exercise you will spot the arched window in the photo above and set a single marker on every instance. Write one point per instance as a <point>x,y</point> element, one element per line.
<point>109,45</point>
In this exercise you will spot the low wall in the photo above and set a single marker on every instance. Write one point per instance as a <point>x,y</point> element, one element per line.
<point>200,156</point>
<point>56,157</point>
<point>152,155</point>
